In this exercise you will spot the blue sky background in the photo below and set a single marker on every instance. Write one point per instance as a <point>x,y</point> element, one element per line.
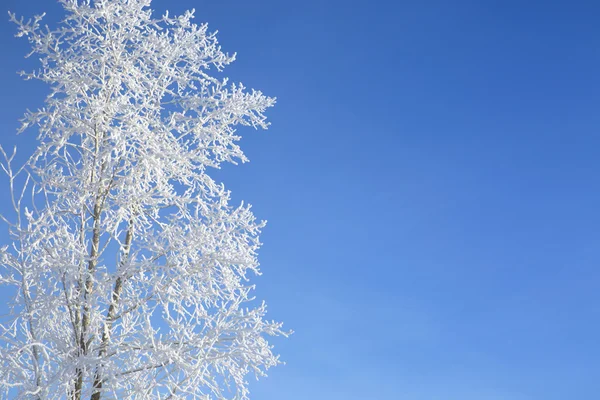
<point>431,185</point>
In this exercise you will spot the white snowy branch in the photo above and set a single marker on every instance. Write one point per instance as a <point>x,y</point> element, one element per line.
<point>128,265</point>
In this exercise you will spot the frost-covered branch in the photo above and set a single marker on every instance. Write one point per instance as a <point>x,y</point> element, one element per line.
<point>128,266</point>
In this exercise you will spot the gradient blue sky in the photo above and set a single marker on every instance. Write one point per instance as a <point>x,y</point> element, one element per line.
<point>431,185</point>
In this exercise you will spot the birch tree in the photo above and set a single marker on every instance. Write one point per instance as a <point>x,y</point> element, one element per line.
<point>128,265</point>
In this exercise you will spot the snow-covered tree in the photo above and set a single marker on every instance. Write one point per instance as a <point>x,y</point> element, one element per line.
<point>129,268</point>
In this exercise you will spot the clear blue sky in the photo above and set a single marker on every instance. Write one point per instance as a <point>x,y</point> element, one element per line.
<point>431,185</point>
